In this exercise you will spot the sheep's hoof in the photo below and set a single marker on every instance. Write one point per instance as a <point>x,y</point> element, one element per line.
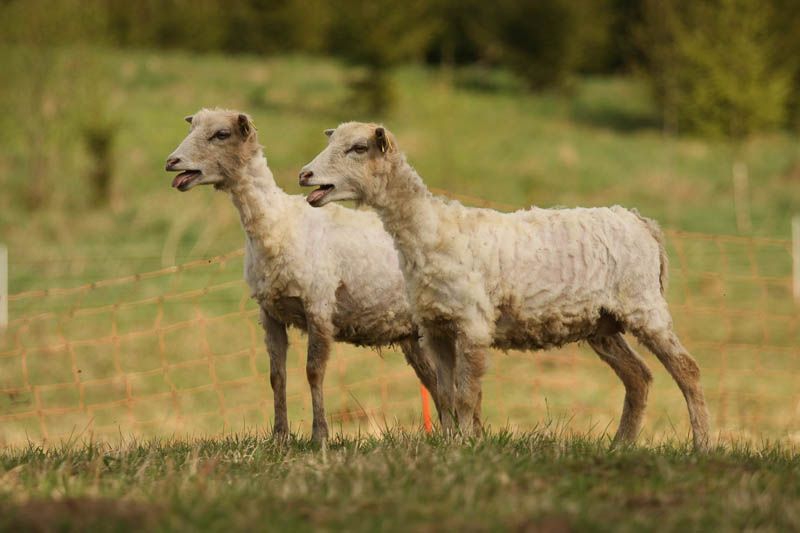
<point>701,444</point>
<point>280,433</point>
<point>319,434</point>
<point>622,443</point>
<point>450,432</point>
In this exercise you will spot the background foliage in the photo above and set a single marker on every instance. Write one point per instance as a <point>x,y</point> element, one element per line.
<point>715,66</point>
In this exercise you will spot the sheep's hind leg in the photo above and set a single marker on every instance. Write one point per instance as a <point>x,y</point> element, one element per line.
<point>635,375</point>
<point>684,370</point>
<point>424,368</point>
<point>442,349</point>
<point>277,343</point>
<point>470,367</point>
<point>477,421</point>
<point>319,347</point>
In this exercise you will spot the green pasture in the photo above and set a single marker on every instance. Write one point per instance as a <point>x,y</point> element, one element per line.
<point>152,356</point>
<point>543,480</point>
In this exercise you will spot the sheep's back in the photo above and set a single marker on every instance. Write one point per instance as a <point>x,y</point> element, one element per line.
<point>576,258</point>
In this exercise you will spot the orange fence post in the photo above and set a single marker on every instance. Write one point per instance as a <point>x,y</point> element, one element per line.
<point>426,409</point>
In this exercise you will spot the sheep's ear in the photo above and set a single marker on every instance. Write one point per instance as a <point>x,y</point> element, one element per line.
<point>329,132</point>
<point>382,140</point>
<point>188,118</point>
<point>246,127</point>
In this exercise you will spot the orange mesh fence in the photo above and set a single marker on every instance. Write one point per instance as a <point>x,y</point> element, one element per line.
<point>179,351</point>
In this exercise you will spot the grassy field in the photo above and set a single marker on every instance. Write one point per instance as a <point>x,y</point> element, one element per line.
<point>536,481</point>
<point>181,353</point>
<point>475,132</point>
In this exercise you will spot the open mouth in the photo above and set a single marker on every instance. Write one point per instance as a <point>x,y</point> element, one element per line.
<point>316,196</point>
<point>184,180</point>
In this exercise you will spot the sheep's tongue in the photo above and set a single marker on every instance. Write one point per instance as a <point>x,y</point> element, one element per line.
<point>183,178</point>
<point>317,194</point>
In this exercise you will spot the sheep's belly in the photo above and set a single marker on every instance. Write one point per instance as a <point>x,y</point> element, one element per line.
<point>372,327</point>
<point>372,324</point>
<point>288,310</point>
<point>550,331</point>
<point>371,337</point>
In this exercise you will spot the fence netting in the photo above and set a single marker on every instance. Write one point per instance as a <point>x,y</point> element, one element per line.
<point>179,351</point>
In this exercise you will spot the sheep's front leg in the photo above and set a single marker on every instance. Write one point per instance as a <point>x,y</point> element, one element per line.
<point>477,421</point>
<point>424,368</point>
<point>319,347</point>
<point>277,343</point>
<point>442,349</point>
<point>470,367</point>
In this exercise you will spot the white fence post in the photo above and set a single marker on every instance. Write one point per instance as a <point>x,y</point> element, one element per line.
<point>796,256</point>
<point>3,286</point>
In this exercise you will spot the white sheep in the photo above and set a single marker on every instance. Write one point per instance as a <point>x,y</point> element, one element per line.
<point>532,279</point>
<point>333,273</point>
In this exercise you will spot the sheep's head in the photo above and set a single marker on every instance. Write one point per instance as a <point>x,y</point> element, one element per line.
<point>219,144</point>
<point>354,165</point>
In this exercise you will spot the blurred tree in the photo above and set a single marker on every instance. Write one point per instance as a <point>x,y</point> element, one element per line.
<point>535,39</point>
<point>547,41</point>
<point>374,36</point>
<point>713,65</point>
<point>269,26</point>
<point>626,17</point>
<point>452,41</point>
<point>199,25</point>
<point>99,135</point>
<point>714,69</point>
<point>595,20</point>
<point>786,27</point>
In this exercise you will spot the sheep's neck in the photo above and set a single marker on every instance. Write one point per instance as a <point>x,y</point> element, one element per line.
<point>261,206</point>
<point>406,209</point>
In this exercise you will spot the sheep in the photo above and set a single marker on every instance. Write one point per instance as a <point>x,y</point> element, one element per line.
<point>533,279</point>
<point>332,273</point>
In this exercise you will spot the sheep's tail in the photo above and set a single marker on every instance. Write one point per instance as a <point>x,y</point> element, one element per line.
<point>658,235</point>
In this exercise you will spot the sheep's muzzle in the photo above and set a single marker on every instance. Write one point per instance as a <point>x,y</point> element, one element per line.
<point>315,196</point>
<point>184,180</point>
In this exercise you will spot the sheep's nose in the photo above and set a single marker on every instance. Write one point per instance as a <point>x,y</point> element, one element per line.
<point>305,175</point>
<point>172,161</point>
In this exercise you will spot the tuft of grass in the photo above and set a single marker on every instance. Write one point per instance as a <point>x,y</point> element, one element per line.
<point>400,480</point>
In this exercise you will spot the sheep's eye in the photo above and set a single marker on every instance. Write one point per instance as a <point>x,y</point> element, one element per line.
<point>358,148</point>
<point>221,135</point>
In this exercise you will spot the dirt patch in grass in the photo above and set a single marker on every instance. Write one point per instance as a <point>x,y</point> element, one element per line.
<point>77,514</point>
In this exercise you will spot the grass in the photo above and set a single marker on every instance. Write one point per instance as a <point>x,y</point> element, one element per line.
<point>543,480</point>
<point>154,356</point>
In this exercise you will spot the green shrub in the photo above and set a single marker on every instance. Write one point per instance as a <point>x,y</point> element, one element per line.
<point>533,38</point>
<point>786,28</point>
<point>714,65</point>
<point>374,36</point>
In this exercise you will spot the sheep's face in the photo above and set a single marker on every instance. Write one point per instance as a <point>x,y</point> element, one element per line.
<point>352,167</point>
<point>219,143</point>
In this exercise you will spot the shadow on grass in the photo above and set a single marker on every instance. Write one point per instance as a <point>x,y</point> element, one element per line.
<point>624,105</point>
<point>78,514</point>
<point>480,79</point>
<point>620,119</point>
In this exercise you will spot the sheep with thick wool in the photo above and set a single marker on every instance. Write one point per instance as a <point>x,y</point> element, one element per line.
<point>332,273</point>
<point>532,279</point>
